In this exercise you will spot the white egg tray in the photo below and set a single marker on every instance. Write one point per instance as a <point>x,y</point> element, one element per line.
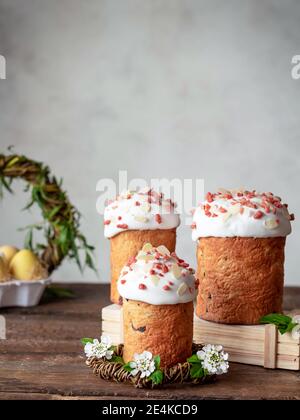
<point>22,293</point>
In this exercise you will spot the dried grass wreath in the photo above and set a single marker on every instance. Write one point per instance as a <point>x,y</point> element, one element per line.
<point>178,374</point>
<point>61,220</point>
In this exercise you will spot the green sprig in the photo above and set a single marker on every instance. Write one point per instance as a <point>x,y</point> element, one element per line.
<point>196,370</point>
<point>157,376</point>
<point>84,341</point>
<point>284,323</point>
<point>61,220</point>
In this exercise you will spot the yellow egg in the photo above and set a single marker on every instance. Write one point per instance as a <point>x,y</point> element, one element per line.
<point>4,272</point>
<point>26,266</point>
<point>8,252</point>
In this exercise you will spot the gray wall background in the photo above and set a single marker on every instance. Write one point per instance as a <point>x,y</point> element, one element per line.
<point>162,88</point>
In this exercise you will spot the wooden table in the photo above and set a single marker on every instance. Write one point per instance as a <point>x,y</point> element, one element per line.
<point>42,358</point>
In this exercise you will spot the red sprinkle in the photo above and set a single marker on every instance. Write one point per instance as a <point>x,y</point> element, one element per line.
<point>209,197</point>
<point>258,215</point>
<point>152,272</point>
<point>131,260</point>
<point>193,225</point>
<point>142,286</point>
<point>158,218</point>
<point>137,203</point>
<point>123,281</point>
<point>166,287</point>
<point>119,217</point>
<point>207,207</point>
<point>122,226</point>
<point>171,283</point>
<point>165,269</point>
<point>222,210</point>
<point>107,222</point>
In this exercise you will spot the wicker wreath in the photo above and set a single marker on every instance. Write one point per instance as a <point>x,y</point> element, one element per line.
<point>178,374</point>
<point>61,218</point>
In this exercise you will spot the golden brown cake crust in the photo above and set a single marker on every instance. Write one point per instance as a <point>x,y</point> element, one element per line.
<point>165,330</point>
<point>240,279</point>
<point>127,244</point>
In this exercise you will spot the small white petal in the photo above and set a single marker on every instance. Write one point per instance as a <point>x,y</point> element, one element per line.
<point>296,332</point>
<point>109,354</point>
<point>147,355</point>
<point>201,354</point>
<point>143,374</point>
<point>134,372</point>
<point>132,365</point>
<point>296,319</point>
<point>106,340</point>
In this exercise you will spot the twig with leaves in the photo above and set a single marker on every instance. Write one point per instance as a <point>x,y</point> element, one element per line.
<point>61,220</point>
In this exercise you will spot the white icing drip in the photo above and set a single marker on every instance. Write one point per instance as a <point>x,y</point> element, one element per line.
<point>149,281</point>
<point>133,211</point>
<point>270,218</point>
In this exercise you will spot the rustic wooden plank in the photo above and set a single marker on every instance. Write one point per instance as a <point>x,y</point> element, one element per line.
<point>43,358</point>
<point>67,375</point>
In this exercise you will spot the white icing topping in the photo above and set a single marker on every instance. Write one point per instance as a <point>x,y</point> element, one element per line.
<point>141,210</point>
<point>157,277</point>
<point>241,213</point>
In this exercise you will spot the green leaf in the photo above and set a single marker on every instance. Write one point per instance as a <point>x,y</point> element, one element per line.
<point>194,359</point>
<point>28,239</point>
<point>197,371</point>
<point>53,212</point>
<point>117,359</point>
<point>284,323</point>
<point>59,292</point>
<point>127,367</point>
<point>157,361</point>
<point>157,377</point>
<point>7,184</point>
<point>84,341</point>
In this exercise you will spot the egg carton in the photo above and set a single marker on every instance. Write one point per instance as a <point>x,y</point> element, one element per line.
<point>22,293</point>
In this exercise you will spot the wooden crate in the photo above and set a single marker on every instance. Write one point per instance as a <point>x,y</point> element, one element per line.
<point>260,345</point>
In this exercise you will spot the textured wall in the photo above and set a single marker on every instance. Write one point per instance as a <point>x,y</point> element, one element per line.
<point>163,88</point>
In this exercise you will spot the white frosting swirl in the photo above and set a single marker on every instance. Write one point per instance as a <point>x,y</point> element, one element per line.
<point>157,277</point>
<point>241,213</point>
<point>141,210</point>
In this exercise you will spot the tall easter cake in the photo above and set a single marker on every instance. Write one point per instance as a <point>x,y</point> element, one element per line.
<point>158,290</point>
<point>241,239</point>
<point>133,219</point>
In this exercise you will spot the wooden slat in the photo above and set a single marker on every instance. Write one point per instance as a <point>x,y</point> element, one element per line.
<point>270,347</point>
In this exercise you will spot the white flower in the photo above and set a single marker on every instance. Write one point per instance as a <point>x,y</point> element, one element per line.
<point>296,332</point>
<point>296,329</point>
<point>143,363</point>
<point>214,359</point>
<point>99,349</point>
<point>296,319</point>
